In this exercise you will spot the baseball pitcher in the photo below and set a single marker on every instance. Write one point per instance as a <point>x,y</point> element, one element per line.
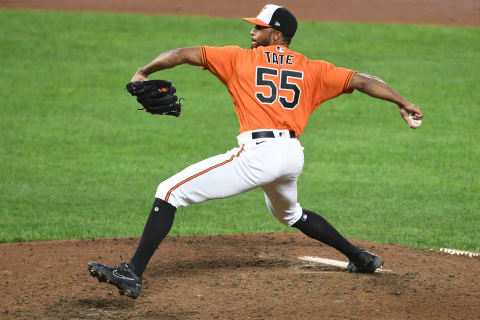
<point>274,91</point>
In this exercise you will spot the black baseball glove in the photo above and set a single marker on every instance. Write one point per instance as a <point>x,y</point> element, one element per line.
<point>156,97</point>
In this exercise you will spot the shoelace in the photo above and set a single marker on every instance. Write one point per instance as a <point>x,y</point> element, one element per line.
<point>123,264</point>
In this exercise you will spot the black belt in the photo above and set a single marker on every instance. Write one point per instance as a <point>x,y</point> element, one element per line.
<point>269,134</point>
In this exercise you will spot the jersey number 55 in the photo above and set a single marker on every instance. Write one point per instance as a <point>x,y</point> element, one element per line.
<point>285,76</point>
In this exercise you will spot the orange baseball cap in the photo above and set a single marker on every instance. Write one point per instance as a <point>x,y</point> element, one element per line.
<point>276,17</point>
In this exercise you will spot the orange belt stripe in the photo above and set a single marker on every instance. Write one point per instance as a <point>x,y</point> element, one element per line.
<point>203,172</point>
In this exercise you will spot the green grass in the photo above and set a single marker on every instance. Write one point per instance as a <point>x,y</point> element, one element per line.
<point>78,160</point>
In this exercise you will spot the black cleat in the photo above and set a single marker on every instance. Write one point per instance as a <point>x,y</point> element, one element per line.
<point>127,282</point>
<point>366,263</point>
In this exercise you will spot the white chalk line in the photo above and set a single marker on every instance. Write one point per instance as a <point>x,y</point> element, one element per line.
<point>335,263</point>
<point>460,252</point>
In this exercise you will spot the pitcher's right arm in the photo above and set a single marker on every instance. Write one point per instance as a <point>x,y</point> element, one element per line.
<point>169,59</point>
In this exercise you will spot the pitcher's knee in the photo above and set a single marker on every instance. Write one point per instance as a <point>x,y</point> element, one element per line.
<point>287,217</point>
<point>167,193</point>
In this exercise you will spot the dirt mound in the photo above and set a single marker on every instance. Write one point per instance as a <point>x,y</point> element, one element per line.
<point>256,276</point>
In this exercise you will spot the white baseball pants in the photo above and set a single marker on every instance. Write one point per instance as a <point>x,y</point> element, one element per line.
<point>274,164</point>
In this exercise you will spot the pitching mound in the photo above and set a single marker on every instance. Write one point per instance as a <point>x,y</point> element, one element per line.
<point>257,276</point>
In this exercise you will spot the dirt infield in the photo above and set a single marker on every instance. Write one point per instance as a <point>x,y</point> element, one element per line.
<point>245,276</point>
<point>236,277</point>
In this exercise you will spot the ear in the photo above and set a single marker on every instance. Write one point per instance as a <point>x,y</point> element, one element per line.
<point>277,35</point>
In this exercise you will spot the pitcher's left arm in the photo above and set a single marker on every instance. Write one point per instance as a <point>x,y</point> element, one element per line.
<point>379,89</point>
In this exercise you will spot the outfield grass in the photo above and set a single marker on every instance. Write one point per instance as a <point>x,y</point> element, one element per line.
<point>78,160</point>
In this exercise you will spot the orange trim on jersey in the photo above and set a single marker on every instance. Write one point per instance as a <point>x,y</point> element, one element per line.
<point>203,172</point>
<point>204,56</point>
<point>347,81</point>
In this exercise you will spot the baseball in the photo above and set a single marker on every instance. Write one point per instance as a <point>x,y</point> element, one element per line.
<point>414,124</point>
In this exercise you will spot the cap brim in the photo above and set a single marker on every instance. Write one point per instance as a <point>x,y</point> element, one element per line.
<point>257,22</point>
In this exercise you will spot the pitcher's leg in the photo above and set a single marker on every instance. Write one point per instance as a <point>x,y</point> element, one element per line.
<point>316,227</point>
<point>281,199</point>
<point>157,227</point>
<point>217,177</point>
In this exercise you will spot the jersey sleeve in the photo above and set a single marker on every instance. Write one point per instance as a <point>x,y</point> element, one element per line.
<point>332,81</point>
<point>220,61</point>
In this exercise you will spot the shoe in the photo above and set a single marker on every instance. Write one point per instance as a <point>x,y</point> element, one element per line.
<point>366,263</point>
<point>127,282</point>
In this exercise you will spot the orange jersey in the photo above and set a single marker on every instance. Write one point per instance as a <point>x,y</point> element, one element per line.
<point>274,87</point>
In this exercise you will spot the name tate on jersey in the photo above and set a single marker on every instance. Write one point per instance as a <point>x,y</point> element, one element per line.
<point>279,59</point>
